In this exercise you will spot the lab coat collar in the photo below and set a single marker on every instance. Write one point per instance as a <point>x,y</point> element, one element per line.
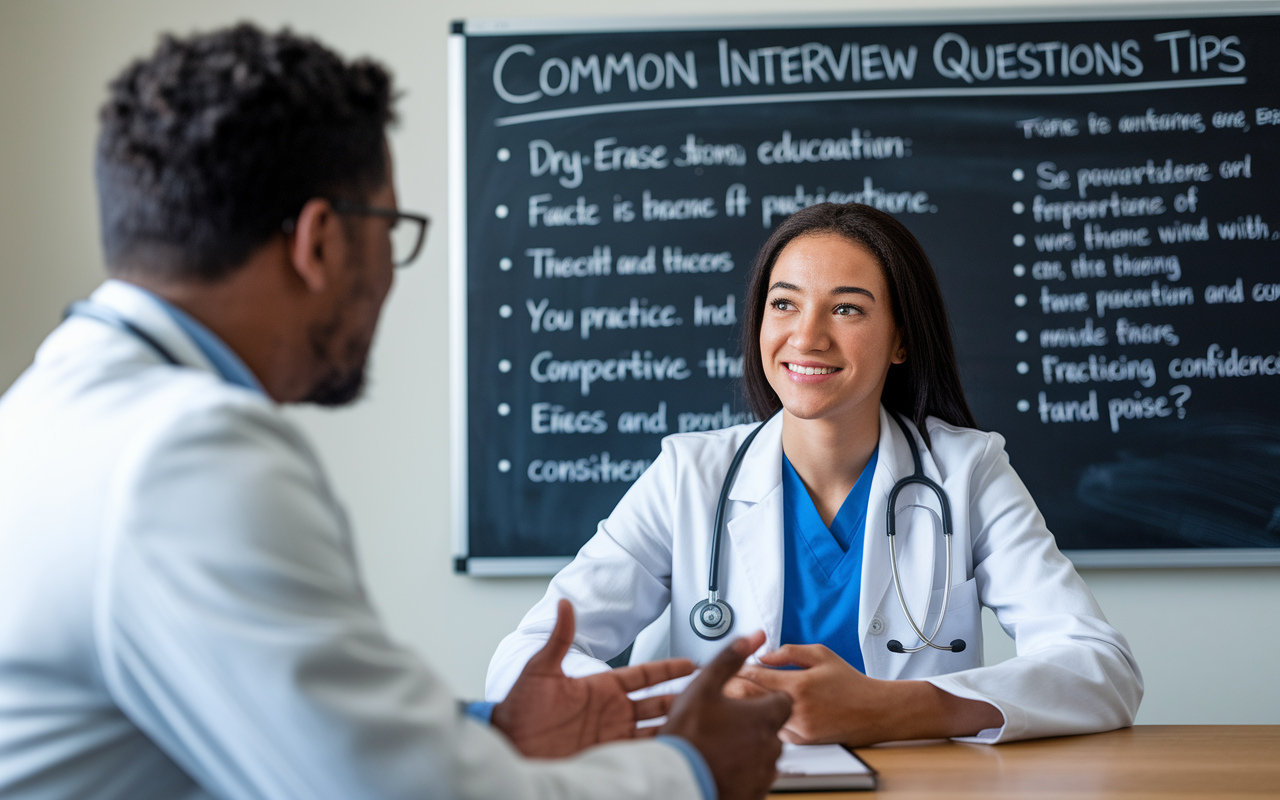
<point>761,470</point>
<point>142,309</point>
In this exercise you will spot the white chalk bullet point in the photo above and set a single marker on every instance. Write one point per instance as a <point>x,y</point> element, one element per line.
<point>1019,270</point>
<point>1020,336</point>
<point>1018,239</point>
<point>503,154</point>
<point>502,212</point>
<point>504,310</point>
<point>504,264</point>
<point>504,366</point>
<point>1019,174</point>
<point>1023,405</point>
<point>504,466</point>
<point>503,409</point>
<point>1023,368</point>
<point>1018,207</point>
<point>1020,300</point>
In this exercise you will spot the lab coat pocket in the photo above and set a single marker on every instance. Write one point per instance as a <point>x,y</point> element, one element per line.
<point>963,621</point>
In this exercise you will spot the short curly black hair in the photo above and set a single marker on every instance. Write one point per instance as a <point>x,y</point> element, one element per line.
<point>216,139</point>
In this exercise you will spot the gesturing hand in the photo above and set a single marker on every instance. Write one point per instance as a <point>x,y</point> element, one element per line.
<point>737,738</point>
<point>549,715</point>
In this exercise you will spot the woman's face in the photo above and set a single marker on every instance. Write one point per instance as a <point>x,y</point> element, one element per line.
<point>828,335</point>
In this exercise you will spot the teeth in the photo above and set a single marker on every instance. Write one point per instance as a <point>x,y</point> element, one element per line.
<point>796,368</point>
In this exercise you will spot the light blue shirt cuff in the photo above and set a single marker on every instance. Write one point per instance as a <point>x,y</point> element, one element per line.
<point>480,711</point>
<point>699,764</point>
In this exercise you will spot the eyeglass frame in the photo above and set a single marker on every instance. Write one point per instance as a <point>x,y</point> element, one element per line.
<point>347,207</point>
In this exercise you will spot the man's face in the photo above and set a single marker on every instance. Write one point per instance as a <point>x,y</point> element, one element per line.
<point>341,342</point>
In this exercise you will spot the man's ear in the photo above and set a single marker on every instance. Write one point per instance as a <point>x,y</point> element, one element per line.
<point>317,240</point>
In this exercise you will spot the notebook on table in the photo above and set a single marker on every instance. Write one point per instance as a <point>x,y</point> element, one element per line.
<point>821,767</point>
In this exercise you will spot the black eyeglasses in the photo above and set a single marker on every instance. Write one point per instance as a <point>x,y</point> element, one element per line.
<point>408,231</point>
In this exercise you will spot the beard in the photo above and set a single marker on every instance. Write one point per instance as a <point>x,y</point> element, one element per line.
<point>344,376</point>
<point>343,349</point>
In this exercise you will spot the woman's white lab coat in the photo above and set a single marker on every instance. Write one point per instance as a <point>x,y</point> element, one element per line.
<point>1073,673</point>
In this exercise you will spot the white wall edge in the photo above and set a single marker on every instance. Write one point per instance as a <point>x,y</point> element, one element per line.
<point>901,16</point>
<point>457,124</point>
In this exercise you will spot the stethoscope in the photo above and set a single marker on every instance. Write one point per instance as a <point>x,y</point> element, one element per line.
<point>712,618</point>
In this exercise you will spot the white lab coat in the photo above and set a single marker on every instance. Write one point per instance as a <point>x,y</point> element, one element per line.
<point>1074,673</point>
<point>182,616</point>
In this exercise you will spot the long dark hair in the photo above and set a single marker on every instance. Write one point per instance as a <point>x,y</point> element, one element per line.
<point>928,382</point>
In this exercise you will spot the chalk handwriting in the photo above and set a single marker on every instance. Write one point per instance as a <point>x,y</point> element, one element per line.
<point>545,369</point>
<point>1098,370</point>
<point>593,469</point>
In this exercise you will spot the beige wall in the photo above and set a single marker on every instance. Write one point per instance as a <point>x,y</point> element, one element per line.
<point>1207,640</point>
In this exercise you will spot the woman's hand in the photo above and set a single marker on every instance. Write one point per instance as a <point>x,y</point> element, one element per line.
<point>834,703</point>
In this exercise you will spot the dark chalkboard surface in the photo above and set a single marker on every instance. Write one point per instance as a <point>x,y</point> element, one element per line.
<point>1099,198</point>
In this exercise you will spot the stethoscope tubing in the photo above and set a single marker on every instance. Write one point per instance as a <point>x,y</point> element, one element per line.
<point>917,477</point>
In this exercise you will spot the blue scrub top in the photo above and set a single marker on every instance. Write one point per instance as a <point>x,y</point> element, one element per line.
<point>823,573</point>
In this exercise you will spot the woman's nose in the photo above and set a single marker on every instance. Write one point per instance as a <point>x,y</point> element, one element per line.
<point>810,333</point>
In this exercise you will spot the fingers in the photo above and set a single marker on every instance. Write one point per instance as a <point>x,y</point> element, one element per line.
<point>774,708</point>
<point>727,663</point>
<point>557,646</point>
<point>795,655</point>
<point>740,688</point>
<point>777,680</point>
<point>652,707</point>
<point>652,672</point>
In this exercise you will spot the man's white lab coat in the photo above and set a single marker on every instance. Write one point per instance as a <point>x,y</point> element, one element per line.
<point>182,616</point>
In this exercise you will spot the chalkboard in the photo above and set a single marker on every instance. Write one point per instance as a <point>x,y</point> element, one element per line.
<point>1099,198</point>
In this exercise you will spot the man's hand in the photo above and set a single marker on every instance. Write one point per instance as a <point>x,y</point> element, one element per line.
<point>549,715</point>
<point>737,738</point>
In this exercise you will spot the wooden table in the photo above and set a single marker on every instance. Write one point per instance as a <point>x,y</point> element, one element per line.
<point>1141,763</point>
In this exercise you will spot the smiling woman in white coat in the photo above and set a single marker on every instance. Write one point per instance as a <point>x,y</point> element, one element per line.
<point>847,352</point>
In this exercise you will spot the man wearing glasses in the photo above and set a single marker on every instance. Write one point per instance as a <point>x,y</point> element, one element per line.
<point>181,615</point>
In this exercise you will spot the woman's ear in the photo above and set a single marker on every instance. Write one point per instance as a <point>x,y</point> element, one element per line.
<point>899,350</point>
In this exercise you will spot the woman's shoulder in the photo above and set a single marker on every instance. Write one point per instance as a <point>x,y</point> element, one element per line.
<point>955,443</point>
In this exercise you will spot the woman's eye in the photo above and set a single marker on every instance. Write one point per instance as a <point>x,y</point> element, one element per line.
<point>782,305</point>
<point>847,310</point>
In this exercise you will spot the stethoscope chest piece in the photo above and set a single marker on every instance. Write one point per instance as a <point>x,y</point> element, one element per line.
<point>711,619</point>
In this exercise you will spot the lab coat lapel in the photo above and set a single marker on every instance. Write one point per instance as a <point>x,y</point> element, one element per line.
<point>756,533</point>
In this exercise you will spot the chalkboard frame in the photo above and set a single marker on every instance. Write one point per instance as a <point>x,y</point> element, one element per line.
<point>460,30</point>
